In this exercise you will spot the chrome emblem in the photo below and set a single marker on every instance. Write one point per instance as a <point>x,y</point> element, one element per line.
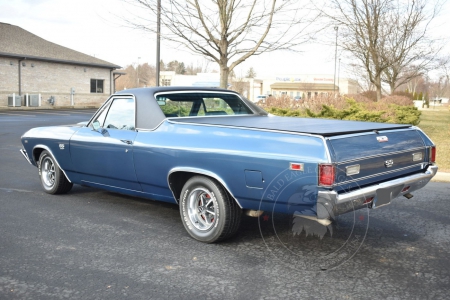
<point>389,163</point>
<point>382,139</point>
<point>61,146</point>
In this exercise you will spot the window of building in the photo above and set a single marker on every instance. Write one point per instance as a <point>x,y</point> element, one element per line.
<point>97,85</point>
<point>291,94</point>
<point>165,82</point>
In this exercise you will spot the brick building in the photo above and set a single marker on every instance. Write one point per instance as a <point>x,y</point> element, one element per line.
<point>32,65</point>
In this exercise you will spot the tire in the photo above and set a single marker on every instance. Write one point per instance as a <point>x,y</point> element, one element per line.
<point>53,180</point>
<point>207,211</point>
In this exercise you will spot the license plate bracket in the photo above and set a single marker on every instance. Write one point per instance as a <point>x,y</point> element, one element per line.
<point>385,195</point>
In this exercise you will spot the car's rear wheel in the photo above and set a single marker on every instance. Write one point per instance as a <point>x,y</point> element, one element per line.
<point>53,179</point>
<point>207,211</point>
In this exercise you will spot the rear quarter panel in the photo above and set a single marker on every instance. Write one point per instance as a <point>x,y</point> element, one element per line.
<point>233,155</point>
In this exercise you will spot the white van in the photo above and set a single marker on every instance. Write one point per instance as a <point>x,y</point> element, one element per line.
<point>260,98</point>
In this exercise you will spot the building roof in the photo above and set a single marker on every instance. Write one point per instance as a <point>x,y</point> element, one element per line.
<point>303,86</point>
<point>16,42</point>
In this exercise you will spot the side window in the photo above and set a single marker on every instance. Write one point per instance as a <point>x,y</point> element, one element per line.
<point>121,115</point>
<point>101,117</point>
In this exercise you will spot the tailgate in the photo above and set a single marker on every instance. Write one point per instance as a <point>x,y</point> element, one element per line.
<point>379,156</point>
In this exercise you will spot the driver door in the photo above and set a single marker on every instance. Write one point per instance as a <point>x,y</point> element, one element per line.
<point>102,153</point>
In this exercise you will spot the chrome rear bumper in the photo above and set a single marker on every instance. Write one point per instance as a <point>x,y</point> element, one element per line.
<point>330,203</point>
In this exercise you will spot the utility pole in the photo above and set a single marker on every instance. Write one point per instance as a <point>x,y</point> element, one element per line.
<point>335,60</point>
<point>158,37</point>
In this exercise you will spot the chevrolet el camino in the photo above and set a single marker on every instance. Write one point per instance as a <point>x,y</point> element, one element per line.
<point>216,155</point>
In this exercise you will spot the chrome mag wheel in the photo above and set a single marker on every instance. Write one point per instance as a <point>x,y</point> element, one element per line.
<point>202,210</point>
<point>48,172</point>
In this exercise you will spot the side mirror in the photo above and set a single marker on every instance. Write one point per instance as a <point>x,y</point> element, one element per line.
<point>96,125</point>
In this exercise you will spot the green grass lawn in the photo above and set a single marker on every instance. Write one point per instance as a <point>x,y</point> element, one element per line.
<point>436,124</point>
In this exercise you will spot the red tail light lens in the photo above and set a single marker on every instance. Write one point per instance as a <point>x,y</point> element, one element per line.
<point>326,174</point>
<point>433,154</point>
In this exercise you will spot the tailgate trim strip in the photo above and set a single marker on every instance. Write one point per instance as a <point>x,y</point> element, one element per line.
<point>381,174</point>
<point>381,155</point>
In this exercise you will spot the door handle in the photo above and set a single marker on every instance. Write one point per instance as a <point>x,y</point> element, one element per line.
<point>128,142</point>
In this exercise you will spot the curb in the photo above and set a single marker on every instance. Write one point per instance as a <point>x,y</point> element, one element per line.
<point>18,108</point>
<point>441,177</point>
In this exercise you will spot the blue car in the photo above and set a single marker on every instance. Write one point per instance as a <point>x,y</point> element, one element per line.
<point>217,155</point>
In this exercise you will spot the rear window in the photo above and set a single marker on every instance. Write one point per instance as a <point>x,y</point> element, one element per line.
<point>201,104</point>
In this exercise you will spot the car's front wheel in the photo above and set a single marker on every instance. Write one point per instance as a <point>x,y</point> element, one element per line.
<point>207,211</point>
<point>53,179</point>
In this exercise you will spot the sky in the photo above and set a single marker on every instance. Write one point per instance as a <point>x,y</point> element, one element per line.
<point>94,27</point>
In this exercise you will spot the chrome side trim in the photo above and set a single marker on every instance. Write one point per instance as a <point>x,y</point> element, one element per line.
<point>327,149</point>
<point>380,155</point>
<point>346,202</point>
<point>418,129</point>
<point>50,151</point>
<point>24,153</point>
<point>338,137</point>
<point>246,128</point>
<point>201,172</point>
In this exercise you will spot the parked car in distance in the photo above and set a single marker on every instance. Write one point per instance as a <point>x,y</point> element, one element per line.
<point>260,98</point>
<point>216,155</point>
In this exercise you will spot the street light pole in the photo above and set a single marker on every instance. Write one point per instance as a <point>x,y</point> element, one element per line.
<point>335,60</point>
<point>158,36</point>
<point>339,73</point>
<point>137,72</point>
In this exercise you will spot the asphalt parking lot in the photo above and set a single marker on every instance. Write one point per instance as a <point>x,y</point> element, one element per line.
<point>92,244</point>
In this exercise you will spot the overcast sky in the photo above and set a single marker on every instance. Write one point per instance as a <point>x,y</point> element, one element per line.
<point>91,27</point>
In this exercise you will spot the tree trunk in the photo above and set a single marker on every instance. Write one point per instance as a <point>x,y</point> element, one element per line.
<point>378,86</point>
<point>392,85</point>
<point>224,71</point>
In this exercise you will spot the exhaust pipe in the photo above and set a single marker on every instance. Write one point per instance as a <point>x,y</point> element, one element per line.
<point>408,196</point>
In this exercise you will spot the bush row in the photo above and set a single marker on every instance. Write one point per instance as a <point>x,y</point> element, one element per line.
<point>350,109</point>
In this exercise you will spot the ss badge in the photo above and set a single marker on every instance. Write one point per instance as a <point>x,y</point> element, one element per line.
<point>388,163</point>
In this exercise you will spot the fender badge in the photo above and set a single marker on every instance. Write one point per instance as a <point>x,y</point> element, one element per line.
<point>61,146</point>
<point>382,139</point>
<point>389,163</point>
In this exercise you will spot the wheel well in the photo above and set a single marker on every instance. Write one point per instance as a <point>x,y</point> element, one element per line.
<point>178,179</point>
<point>37,153</point>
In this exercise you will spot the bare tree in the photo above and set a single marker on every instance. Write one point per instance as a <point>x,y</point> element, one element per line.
<point>251,73</point>
<point>130,79</point>
<point>410,52</point>
<point>360,75</point>
<point>385,36</point>
<point>228,31</point>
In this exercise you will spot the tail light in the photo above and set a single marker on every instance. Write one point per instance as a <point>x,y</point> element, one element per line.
<point>326,174</point>
<point>432,154</point>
